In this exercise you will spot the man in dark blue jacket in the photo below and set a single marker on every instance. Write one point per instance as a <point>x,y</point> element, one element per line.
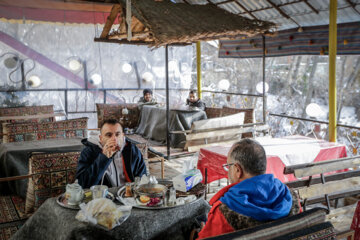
<point>110,160</point>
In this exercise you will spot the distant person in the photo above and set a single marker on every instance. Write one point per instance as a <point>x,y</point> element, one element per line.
<point>253,197</point>
<point>193,101</point>
<point>147,97</point>
<point>109,159</point>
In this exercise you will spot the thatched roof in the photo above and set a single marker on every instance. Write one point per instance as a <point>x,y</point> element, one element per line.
<point>158,23</point>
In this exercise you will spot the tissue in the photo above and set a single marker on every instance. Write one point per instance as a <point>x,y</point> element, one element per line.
<point>184,182</point>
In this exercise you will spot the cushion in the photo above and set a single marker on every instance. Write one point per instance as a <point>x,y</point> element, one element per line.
<point>50,174</point>
<point>115,111</point>
<point>212,112</point>
<point>18,132</point>
<point>26,111</point>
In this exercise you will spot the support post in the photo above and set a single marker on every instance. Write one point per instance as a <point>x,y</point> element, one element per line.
<point>198,68</point>
<point>263,73</point>
<point>332,70</point>
<point>167,102</point>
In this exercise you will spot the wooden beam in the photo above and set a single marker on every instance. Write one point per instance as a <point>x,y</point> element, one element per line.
<point>330,167</point>
<point>59,5</point>
<point>311,6</point>
<point>281,11</point>
<point>246,10</point>
<point>7,179</point>
<point>331,187</point>
<point>110,20</point>
<point>353,5</point>
<point>328,178</point>
<point>224,2</point>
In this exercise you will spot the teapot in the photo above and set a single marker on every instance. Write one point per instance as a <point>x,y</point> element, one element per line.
<point>74,193</point>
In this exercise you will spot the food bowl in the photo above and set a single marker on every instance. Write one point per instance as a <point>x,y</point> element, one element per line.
<point>150,194</point>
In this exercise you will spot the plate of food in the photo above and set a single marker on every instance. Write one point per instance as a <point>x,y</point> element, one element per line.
<point>154,196</point>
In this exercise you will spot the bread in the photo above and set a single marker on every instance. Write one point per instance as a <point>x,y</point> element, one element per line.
<point>104,211</point>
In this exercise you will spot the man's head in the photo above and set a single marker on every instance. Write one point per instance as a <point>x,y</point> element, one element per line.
<point>246,159</point>
<point>111,129</point>
<point>192,96</point>
<point>147,94</point>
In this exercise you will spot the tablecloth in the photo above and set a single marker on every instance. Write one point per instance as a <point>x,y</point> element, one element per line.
<point>14,159</point>
<point>280,152</point>
<point>153,124</point>
<point>52,221</point>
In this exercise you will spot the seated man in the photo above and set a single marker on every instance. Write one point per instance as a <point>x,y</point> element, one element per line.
<point>253,197</point>
<point>112,160</point>
<point>193,101</point>
<point>148,97</point>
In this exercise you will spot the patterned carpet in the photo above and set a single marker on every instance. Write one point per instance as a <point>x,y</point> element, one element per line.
<point>12,215</point>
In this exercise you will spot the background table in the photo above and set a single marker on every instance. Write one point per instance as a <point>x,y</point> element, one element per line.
<point>280,152</point>
<point>55,222</point>
<point>153,123</point>
<point>14,159</point>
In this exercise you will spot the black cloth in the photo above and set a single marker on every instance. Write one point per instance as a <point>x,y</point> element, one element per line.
<point>153,124</point>
<point>199,104</point>
<point>93,163</point>
<point>14,160</point>
<point>55,222</point>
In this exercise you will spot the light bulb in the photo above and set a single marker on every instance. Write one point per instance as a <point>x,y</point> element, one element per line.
<point>126,68</point>
<point>34,81</point>
<point>259,87</point>
<point>224,84</point>
<point>96,78</point>
<point>74,65</point>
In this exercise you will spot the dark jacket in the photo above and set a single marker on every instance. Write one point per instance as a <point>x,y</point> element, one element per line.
<point>199,104</point>
<point>249,203</point>
<point>93,163</point>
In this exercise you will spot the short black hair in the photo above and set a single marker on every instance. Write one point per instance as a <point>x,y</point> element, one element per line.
<point>111,121</point>
<point>192,92</point>
<point>250,155</point>
<point>147,90</point>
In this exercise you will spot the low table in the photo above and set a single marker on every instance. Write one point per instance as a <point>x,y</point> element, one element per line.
<point>280,152</point>
<point>55,222</point>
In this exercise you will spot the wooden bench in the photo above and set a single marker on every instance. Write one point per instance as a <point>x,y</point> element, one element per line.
<point>326,183</point>
<point>220,131</point>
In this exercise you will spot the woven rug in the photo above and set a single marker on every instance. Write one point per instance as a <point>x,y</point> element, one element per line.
<point>12,215</point>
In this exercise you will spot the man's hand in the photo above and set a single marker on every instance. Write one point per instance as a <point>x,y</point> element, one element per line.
<point>110,148</point>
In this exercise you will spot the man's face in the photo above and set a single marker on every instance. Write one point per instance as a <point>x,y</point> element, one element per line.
<point>192,97</point>
<point>111,132</point>
<point>148,97</point>
<point>232,173</point>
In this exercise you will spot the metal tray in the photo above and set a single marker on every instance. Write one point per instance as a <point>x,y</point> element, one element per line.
<point>61,201</point>
<point>121,193</point>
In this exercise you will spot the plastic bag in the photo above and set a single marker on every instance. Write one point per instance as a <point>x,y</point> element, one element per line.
<point>103,212</point>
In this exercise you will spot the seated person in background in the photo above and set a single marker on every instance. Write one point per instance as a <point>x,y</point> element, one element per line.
<point>252,198</point>
<point>111,159</point>
<point>148,97</point>
<point>193,101</point>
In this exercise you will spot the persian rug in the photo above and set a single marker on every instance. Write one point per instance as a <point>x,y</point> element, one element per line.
<point>12,215</point>
<point>115,111</point>
<point>51,173</point>
<point>19,132</point>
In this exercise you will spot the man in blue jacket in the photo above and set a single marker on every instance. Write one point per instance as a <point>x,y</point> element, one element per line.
<point>110,160</point>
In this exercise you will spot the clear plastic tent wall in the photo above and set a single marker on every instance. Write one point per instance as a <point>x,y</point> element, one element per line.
<point>46,62</point>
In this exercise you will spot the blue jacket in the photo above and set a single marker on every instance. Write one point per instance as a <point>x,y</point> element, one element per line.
<point>93,163</point>
<point>261,197</point>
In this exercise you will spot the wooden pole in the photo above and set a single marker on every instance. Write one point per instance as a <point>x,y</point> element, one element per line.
<point>198,68</point>
<point>332,70</point>
<point>167,103</point>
